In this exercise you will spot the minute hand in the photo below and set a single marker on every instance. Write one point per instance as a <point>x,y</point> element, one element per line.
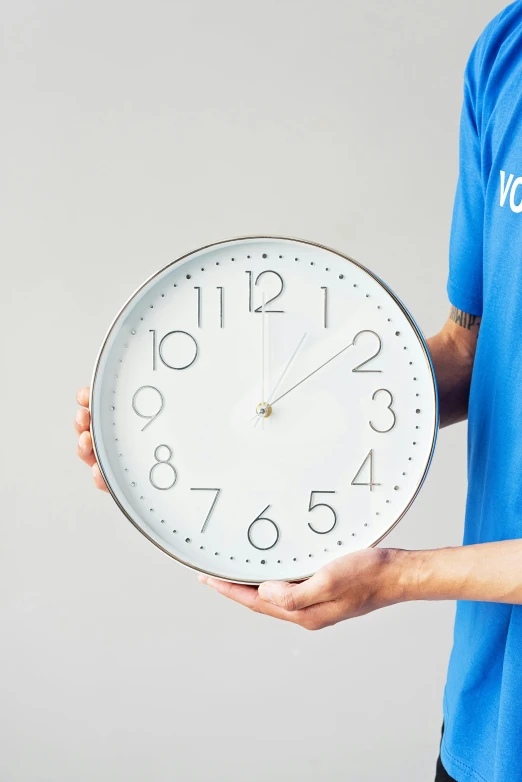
<point>312,373</point>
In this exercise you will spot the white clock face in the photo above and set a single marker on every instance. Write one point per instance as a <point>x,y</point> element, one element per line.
<point>263,406</point>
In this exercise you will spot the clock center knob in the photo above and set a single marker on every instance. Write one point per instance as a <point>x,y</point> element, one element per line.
<point>264,410</point>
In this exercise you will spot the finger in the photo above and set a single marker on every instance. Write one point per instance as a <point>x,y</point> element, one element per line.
<point>82,420</point>
<point>246,595</point>
<point>98,478</point>
<point>84,450</point>
<point>82,397</point>
<point>249,597</point>
<point>296,597</point>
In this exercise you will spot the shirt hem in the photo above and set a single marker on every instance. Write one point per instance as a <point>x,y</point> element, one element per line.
<point>457,769</point>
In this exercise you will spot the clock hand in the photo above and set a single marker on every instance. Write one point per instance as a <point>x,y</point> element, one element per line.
<point>262,351</point>
<point>272,403</point>
<point>263,408</point>
<point>294,354</point>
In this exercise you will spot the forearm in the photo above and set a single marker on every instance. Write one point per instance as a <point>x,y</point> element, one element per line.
<point>452,352</point>
<point>489,572</point>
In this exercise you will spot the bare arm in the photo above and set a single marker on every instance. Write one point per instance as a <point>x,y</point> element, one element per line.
<point>374,578</point>
<point>453,353</point>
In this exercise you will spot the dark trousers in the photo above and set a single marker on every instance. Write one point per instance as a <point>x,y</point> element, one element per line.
<point>441,774</point>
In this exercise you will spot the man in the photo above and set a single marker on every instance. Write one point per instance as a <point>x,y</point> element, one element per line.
<point>478,364</point>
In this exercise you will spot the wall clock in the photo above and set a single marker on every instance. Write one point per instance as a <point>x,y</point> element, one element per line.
<point>262,406</point>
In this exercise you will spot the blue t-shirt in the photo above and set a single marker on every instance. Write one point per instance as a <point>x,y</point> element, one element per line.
<point>483,697</point>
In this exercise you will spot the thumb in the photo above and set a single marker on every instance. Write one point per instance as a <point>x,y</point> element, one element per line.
<point>290,597</point>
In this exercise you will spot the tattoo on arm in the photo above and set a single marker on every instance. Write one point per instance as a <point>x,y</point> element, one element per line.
<point>464,319</point>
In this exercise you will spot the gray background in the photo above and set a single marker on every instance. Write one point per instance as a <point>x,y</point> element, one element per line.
<point>133,132</point>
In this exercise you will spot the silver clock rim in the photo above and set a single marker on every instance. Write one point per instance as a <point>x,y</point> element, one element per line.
<point>261,237</point>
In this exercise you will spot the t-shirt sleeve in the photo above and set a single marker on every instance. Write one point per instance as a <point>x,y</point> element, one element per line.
<point>466,244</point>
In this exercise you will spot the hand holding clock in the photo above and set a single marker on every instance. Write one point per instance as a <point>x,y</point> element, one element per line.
<point>351,586</point>
<point>82,424</point>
